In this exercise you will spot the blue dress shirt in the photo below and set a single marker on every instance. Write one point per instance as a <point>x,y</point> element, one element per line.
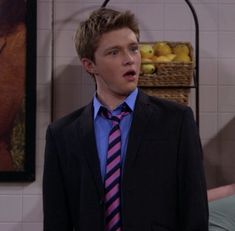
<point>103,127</point>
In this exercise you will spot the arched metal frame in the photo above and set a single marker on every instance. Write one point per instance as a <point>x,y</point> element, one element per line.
<point>196,71</point>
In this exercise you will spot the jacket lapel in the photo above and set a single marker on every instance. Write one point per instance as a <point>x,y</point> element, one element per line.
<point>141,116</point>
<point>87,135</point>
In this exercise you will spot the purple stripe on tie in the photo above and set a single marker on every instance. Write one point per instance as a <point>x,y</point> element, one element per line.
<point>113,221</point>
<point>113,206</point>
<point>114,135</point>
<point>112,192</point>
<point>112,178</point>
<point>114,149</point>
<point>112,164</point>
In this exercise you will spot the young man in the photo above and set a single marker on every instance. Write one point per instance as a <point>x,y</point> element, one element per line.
<point>126,161</point>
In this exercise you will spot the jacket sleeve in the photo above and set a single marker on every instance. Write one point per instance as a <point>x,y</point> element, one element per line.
<point>193,205</point>
<point>55,201</point>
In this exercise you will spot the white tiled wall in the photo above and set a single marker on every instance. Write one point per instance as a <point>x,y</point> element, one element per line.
<point>21,204</point>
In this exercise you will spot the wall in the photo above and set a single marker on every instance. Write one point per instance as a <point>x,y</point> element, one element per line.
<point>20,204</point>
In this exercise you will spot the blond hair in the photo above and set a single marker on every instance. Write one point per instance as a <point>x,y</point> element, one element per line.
<point>101,21</point>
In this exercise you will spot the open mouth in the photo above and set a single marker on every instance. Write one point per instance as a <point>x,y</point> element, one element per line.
<point>131,73</point>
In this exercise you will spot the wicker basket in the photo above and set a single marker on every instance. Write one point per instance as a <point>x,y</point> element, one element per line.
<point>170,73</point>
<point>176,74</point>
<point>179,95</point>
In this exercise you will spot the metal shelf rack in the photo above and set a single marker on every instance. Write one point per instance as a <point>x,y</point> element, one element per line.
<point>196,69</point>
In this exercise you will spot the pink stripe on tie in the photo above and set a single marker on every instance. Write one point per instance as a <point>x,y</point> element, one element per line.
<point>112,178</point>
<point>112,192</point>
<point>114,135</point>
<point>113,206</point>
<point>113,221</point>
<point>112,164</point>
<point>114,149</point>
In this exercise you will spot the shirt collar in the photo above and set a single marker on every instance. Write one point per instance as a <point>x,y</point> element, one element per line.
<point>130,101</point>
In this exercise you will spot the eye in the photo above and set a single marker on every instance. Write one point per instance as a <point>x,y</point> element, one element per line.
<point>134,49</point>
<point>113,52</point>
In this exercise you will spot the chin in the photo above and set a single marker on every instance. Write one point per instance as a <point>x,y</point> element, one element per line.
<point>130,89</point>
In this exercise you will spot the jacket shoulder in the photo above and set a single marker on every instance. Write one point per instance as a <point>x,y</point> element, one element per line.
<point>68,119</point>
<point>163,104</point>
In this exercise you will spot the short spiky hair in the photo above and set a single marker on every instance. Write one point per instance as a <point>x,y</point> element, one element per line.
<point>101,21</point>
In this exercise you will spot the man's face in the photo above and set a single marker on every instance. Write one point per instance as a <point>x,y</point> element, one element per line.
<point>117,63</point>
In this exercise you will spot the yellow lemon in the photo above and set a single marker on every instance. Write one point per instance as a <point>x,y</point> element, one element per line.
<point>146,60</point>
<point>161,49</point>
<point>162,58</point>
<point>146,51</point>
<point>182,57</point>
<point>147,68</point>
<point>171,56</point>
<point>181,48</point>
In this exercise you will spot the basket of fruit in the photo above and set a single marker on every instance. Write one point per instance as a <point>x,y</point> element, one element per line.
<point>179,95</point>
<point>166,64</point>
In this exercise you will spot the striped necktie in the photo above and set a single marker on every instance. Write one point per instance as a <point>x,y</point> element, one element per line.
<point>113,173</point>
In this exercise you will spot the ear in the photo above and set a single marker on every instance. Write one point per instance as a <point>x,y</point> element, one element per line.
<point>89,66</point>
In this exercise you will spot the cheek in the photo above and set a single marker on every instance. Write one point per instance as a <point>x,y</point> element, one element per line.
<point>109,71</point>
<point>107,64</point>
<point>138,59</point>
<point>111,67</point>
<point>138,62</point>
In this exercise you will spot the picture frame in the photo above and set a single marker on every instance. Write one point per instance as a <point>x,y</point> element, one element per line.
<point>18,97</point>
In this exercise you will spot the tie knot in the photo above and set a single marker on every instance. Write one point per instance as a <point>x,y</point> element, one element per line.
<point>115,118</point>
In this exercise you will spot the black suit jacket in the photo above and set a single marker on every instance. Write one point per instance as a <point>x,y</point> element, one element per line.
<point>163,185</point>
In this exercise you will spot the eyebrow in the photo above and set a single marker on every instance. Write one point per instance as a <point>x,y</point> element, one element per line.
<point>118,47</point>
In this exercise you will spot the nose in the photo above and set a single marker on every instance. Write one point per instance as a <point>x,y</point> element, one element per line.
<point>128,59</point>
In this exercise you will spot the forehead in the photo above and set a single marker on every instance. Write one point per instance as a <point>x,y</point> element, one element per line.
<point>119,37</point>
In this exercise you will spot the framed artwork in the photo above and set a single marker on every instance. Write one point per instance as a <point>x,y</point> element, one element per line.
<point>17,90</point>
